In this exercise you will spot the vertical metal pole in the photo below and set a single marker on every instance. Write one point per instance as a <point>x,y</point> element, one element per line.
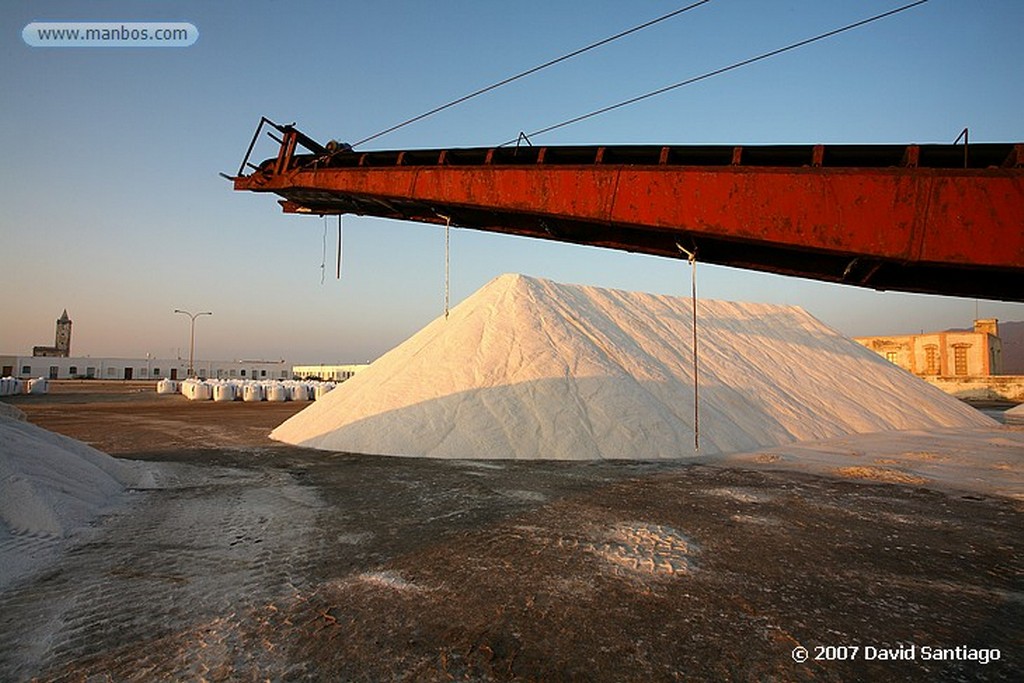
<point>192,337</point>
<point>691,256</point>
<point>696,385</point>
<point>192,348</point>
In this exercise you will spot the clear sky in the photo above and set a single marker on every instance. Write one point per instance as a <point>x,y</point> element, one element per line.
<point>111,206</point>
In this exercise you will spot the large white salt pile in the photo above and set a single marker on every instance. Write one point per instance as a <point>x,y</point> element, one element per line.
<point>50,486</point>
<point>529,368</point>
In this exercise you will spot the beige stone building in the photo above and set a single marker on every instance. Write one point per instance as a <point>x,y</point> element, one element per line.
<point>967,353</point>
<point>62,341</point>
<point>335,373</point>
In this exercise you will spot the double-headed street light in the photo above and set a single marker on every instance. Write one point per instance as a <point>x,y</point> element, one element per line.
<point>192,338</point>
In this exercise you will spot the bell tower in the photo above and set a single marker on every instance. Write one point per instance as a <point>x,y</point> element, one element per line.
<point>62,342</point>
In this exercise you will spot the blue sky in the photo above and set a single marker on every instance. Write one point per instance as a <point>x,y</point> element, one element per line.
<point>113,209</point>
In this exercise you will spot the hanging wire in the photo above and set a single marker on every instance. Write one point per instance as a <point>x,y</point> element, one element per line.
<point>716,72</point>
<point>447,262</point>
<point>691,256</point>
<point>533,70</point>
<point>338,270</point>
<point>323,258</point>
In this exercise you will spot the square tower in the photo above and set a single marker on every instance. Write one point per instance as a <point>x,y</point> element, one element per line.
<point>62,342</point>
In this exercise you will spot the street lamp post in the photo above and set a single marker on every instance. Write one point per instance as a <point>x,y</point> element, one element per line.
<point>192,338</point>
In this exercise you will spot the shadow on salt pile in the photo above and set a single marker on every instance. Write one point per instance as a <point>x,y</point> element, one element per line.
<point>607,418</point>
<point>528,368</point>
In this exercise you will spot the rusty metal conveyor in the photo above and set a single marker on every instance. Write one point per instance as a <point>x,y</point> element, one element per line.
<point>938,219</point>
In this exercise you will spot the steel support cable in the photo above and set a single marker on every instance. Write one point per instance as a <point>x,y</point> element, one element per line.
<point>532,70</point>
<point>338,270</point>
<point>447,264</point>
<point>716,72</point>
<point>323,257</point>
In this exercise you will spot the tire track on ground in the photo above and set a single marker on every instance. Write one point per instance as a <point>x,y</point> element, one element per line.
<point>171,577</point>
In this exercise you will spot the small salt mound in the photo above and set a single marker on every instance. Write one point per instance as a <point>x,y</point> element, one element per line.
<point>529,368</point>
<point>7,410</point>
<point>50,484</point>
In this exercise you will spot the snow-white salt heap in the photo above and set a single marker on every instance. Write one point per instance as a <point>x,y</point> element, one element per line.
<point>529,368</point>
<point>51,486</point>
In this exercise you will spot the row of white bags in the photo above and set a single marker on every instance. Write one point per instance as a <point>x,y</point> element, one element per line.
<point>10,386</point>
<point>245,390</point>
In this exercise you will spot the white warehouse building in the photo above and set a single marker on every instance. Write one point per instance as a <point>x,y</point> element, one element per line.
<point>56,362</point>
<point>91,367</point>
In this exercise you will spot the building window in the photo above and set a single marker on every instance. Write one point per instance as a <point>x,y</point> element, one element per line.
<point>26,370</point>
<point>931,360</point>
<point>243,373</point>
<point>960,359</point>
<point>263,373</point>
<point>54,371</point>
<point>73,370</point>
<point>890,356</point>
<point>90,372</point>
<point>284,374</point>
<point>156,372</point>
<point>111,372</point>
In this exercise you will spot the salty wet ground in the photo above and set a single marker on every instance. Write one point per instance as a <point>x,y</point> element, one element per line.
<point>260,561</point>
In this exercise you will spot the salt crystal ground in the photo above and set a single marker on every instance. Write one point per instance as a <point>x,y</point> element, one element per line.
<point>248,560</point>
<point>527,368</point>
<point>50,487</point>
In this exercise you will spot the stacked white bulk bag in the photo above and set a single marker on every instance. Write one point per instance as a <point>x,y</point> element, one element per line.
<point>196,390</point>
<point>322,388</point>
<point>204,392</point>
<point>298,392</point>
<point>223,391</point>
<point>7,386</point>
<point>276,392</point>
<point>40,385</point>
<point>252,392</point>
<point>167,386</point>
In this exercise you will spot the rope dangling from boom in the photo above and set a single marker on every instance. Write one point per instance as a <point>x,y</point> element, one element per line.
<point>337,275</point>
<point>323,253</point>
<point>691,256</point>
<point>447,263</point>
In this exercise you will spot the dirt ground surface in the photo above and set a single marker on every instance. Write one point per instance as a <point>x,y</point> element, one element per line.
<point>258,561</point>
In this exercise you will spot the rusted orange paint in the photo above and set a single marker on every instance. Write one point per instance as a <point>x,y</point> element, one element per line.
<point>867,226</point>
